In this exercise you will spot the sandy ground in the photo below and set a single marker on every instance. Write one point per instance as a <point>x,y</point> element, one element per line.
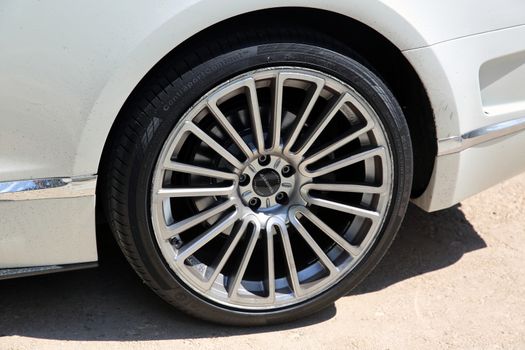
<point>453,279</point>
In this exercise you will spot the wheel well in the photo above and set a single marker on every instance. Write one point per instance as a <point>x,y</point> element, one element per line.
<point>379,54</point>
<point>388,62</point>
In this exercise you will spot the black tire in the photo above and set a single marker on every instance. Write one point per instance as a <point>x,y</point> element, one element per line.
<point>151,114</point>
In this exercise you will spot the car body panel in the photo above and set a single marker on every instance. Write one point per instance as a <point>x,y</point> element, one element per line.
<point>453,73</point>
<point>68,67</point>
<point>47,232</point>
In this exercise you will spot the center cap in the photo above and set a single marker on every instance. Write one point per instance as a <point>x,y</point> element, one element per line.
<point>266,182</point>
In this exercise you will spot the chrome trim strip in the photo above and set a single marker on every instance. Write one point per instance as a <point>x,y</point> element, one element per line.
<point>51,188</point>
<point>42,270</point>
<point>473,138</point>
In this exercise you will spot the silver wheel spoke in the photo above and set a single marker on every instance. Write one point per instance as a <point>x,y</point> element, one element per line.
<point>350,249</point>
<point>195,192</point>
<point>369,214</point>
<point>292,269</point>
<point>237,277</point>
<point>336,145</point>
<point>311,98</point>
<point>275,124</point>
<point>351,188</point>
<point>225,253</point>
<point>198,170</point>
<point>221,118</point>
<point>314,246</point>
<point>196,219</point>
<point>270,265</point>
<point>329,115</point>
<point>195,130</point>
<point>206,237</point>
<point>255,115</point>
<point>356,158</point>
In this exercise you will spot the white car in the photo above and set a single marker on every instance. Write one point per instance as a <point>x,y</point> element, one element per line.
<point>254,159</point>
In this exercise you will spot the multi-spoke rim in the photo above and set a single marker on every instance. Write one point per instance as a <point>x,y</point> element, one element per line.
<point>271,188</point>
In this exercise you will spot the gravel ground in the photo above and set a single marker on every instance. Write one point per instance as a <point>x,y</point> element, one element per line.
<point>452,279</point>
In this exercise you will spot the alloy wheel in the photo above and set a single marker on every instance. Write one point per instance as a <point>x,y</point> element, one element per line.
<point>271,188</point>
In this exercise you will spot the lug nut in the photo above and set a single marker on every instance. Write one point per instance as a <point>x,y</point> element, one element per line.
<point>281,198</point>
<point>264,160</point>
<point>176,242</point>
<point>244,180</point>
<point>254,203</point>
<point>287,171</point>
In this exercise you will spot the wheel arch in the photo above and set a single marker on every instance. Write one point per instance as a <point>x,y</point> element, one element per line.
<point>381,52</point>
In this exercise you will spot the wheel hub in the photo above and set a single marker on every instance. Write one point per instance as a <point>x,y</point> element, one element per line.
<point>268,182</point>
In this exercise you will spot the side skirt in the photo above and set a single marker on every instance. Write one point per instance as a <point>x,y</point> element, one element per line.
<point>42,270</point>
